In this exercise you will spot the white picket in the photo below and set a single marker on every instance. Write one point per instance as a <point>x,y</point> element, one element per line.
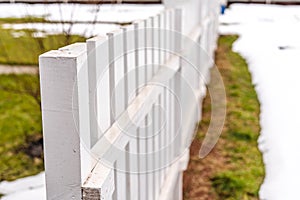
<point>140,45</point>
<point>98,68</point>
<point>117,68</point>
<point>129,61</point>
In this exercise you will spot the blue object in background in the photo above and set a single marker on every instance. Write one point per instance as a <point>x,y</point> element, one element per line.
<point>223,8</point>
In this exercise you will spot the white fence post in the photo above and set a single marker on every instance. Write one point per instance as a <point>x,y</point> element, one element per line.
<point>65,113</point>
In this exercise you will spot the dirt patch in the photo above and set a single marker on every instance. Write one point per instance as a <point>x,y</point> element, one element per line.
<point>33,146</point>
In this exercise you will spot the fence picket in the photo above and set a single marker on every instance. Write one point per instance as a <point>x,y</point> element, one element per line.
<point>117,69</point>
<point>140,53</point>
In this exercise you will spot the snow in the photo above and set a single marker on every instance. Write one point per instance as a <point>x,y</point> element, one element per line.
<point>269,41</point>
<point>82,12</point>
<point>28,188</point>
<point>105,15</point>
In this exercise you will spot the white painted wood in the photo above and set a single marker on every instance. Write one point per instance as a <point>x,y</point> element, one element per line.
<point>64,93</point>
<point>162,38</point>
<point>167,38</point>
<point>97,52</point>
<point>156,42</point>
<point>129,61</point>
<point>116,65</point>
<point>157,146</point>
<point>172,31</point>
<point>100,183</point>
<point>150,156</point>
<point>122,186</point>
<point>173,132</point>
<point>149,48</point>
<point>168,189</point>
<point>169,122</point>
<point>178,82</point>
<point>133,148</point>
<point>140,53</point>
<point>144,192</point>
<point>134,167</point>
<point>138,110</point>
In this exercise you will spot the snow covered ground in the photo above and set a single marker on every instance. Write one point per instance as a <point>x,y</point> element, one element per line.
<point>270,42</point>
<point>29,188</point>
<point>82,13</point>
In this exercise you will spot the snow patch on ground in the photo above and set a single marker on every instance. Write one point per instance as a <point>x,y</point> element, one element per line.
<point>270,42</point>
<point>28,188</point>
<point>82,12</point>
<point>86,14</point>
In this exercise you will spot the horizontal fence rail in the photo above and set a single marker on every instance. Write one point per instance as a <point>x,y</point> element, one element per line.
<point>119,111</point>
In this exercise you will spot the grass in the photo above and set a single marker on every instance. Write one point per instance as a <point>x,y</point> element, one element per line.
<point>24,50</point>
<point>21,47</point>
<point>20,127</point>
<point>234,170</point>
<point>26,19</point>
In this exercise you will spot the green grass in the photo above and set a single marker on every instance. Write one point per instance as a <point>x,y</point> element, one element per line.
<point>20,47</point>
<point>27,19</point>
<point>244,174</point>
<point>24,50</point>
<point>20,122</point>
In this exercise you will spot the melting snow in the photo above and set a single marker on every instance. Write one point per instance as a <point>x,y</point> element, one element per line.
<point>83,13</point>
<point>28,188</point>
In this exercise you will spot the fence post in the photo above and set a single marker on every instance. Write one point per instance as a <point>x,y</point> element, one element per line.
<point>64,94</point>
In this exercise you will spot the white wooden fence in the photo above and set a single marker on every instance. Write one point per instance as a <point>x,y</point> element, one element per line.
<point>119,111</point>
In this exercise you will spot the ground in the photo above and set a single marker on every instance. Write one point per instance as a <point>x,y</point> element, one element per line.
<point>234,169</point>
